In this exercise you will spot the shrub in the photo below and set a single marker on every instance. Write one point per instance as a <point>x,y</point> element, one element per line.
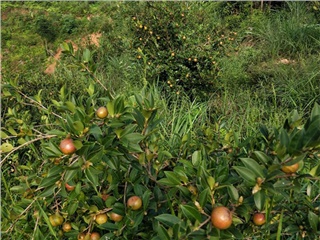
<point>125,155</point>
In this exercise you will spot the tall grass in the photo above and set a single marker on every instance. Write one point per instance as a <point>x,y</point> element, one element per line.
<point>289,33</point>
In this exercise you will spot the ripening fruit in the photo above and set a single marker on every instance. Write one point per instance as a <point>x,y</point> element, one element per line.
<point>102,112</point>
<point>67,146</point>
<point>259,219</point>
<point>115,217</point>
<point>134,203</point>
<point>95,236</point>
<point>84,236</point>
<point>101,218</point>
<point>221,217</point>
<point>56,219</point>
<point>69,187</point>
<point>66,227</point>
<point>290,169</point>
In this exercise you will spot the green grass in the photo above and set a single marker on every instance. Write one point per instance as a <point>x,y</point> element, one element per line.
<point>252,87</point>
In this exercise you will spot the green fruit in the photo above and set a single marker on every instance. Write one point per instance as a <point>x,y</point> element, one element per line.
<point>134,203</point>
<point>101,218</point>
<point>56,219</point>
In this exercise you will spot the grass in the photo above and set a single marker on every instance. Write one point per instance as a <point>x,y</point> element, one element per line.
<point>253,86</point>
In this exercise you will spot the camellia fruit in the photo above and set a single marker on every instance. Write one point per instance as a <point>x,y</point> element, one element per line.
<point>95,236</point>
<point>66,227</point>
<point>102,112</point>
<point>67,146</point>
<point>116,217</point>
<point>101,218</point>
<point>290,169</point>
<point>134,203</point>
<point>259,219</point>
<point>221,217</point>
<point>56,219</point>
<point>84,236</point>
<point>69,187</point>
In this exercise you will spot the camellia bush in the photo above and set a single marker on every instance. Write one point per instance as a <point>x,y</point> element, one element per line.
<point>97,166</point>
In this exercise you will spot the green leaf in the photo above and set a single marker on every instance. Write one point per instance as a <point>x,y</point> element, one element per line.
<point>86,55</point>
<point>46,219</point>
<point>78,126</point>
<point>262,157</point>
<point>196,158</point>
<point>315,111</point>
<point>259,199</point>
<point>203,197</point>
<point>12,131</point>
<point>296,142</point>
<point>18,188</point>
<point>109,226</point>
<point>95,131</point>
<point>315,171</point>
<point>49,181</point>
<point>311,137</point>
<point>163,233</point>
<point>284,138</point>
<point>110,107</point>
<point>168,219</point>
<point>90,89</point>
<point>233,193</point>
<point>190,212</point>
<point>55,171</point>
<point>172,177</point>
<point>56,132</point>
<point>3,135</point>
<point>6,147</point>
<point>92,175</point>
<point>146,199</point>
<point>72,208</point>
<point>280,226</point>
<point>70,106</point>
<point>313,220</point>
<point>77,144</point>
<point>246,174</point>
<point>133,137</point>
<point>65,47</point>
<point>48,191</point>
<point>251,164</point>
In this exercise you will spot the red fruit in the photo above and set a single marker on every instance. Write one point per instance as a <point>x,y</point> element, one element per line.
<point>259,219</point>
<point>69,187</point>
<point>67,146</point>
<point>134,203</point>
<point>221,217</point>
<point>95,236</point>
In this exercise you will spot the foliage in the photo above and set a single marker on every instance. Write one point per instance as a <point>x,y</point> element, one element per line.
<point>179,179</point>
<point>249,64</point>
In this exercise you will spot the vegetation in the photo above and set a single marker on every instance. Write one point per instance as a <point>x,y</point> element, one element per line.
<point>160,120</point>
